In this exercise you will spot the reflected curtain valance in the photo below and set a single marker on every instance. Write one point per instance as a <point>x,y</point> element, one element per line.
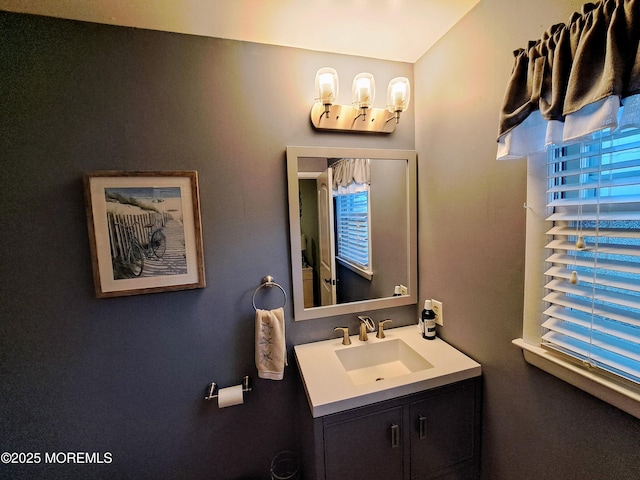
<point>573,80</point>
<point>351,175</point>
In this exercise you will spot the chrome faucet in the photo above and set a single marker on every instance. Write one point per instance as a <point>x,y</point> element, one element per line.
<point>381,325</point>
<point>366,324</point>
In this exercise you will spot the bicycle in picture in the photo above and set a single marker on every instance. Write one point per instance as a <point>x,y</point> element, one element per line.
<point>130,258</point>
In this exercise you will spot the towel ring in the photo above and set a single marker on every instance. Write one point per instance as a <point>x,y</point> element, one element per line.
<point>268,282</point>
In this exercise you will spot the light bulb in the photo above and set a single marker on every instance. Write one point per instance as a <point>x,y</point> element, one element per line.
<point>326,86</point>
<point>363,90</point>
<point>398,95</point>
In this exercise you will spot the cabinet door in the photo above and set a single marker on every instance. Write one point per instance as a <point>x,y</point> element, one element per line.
<point>367,446</point>
<point>443,434</point>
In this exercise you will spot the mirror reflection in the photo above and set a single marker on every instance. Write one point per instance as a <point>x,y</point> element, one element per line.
<point>352,220</point>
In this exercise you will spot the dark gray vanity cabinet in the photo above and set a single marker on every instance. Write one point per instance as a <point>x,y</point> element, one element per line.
<point>364,445</point>
<point>427,435</point>
<point>445,433</point>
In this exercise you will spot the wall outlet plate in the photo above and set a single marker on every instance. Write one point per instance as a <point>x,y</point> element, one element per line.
<point>437,309</point>
<point>404,290</point>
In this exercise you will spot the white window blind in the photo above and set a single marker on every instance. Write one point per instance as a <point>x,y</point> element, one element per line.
<point>353,230</point>
<point>593,287</point>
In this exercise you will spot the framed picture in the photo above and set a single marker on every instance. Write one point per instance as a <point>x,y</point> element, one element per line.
<point>144,231</point>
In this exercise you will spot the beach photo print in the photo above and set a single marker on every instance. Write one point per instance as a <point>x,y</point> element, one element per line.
<point>145,232</point>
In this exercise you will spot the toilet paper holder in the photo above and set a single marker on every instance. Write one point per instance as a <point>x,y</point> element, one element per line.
<point>212,388</point>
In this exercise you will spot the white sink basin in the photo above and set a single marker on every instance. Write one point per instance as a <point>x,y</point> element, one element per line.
<point>379,361</point>
<point>339,377</point>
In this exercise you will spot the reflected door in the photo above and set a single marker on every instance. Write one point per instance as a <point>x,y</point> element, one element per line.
<point>326,239</point>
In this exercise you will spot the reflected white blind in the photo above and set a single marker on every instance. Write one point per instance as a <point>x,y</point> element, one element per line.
<point>593,288</point>
<point>352,229</point>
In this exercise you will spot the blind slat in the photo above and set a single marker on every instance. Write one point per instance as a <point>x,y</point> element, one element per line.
<point>587,276</point>
<point>613,265</point>
<point>592,202</point>
<point>601,232</point>
<point>592,216</point>
<point>557,170</point>
<point>602,249</point>
<point>610,183</point>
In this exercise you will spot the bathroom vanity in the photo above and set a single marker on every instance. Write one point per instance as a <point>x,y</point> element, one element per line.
<point>398,407</point>
<point>434,434</point>
<point>395,408</point>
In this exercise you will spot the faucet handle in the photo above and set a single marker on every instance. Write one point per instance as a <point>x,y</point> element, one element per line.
<point>367,322</point>
<point>381,325</point>
<point>345,335</point>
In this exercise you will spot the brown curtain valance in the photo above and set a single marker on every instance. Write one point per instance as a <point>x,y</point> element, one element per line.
<point>594,56</point>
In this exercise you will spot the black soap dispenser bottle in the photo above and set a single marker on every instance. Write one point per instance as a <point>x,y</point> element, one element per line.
<point>428,318</point>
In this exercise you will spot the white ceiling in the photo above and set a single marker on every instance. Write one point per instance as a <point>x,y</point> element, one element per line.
<point>401,30</point>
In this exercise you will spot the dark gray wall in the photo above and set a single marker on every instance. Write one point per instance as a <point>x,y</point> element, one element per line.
<point>472,230</point>
<point>127,375</point>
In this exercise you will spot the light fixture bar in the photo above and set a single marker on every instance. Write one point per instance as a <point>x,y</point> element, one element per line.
<point>343,118</point>
<point>361,116</point>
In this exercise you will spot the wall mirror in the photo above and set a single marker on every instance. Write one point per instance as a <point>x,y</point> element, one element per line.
<point>353,228</point>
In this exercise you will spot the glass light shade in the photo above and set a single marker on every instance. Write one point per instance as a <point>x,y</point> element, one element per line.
<point>363,90</point>
<point>398,94</point>
<point>326,86</point>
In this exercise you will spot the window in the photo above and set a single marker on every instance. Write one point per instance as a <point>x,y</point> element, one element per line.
<point>353,232</point>
<point>594,286</point>
<point>587,313</point>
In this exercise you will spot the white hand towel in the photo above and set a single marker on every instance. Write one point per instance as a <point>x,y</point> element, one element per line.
<point>271,347</point>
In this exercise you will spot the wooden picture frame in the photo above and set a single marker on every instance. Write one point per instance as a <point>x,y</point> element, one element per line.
<point>145,231</point>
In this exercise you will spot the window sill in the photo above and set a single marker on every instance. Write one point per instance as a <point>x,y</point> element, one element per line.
<point>626,398</point>
<point>368,274</point>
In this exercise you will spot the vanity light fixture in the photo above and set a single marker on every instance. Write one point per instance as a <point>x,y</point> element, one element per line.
<point>361,116</point>
<point>327,88</point>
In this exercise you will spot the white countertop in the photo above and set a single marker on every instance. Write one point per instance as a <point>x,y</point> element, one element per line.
<point>330,390</point>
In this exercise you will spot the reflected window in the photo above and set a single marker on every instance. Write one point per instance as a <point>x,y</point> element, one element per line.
<point>353,227</point>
